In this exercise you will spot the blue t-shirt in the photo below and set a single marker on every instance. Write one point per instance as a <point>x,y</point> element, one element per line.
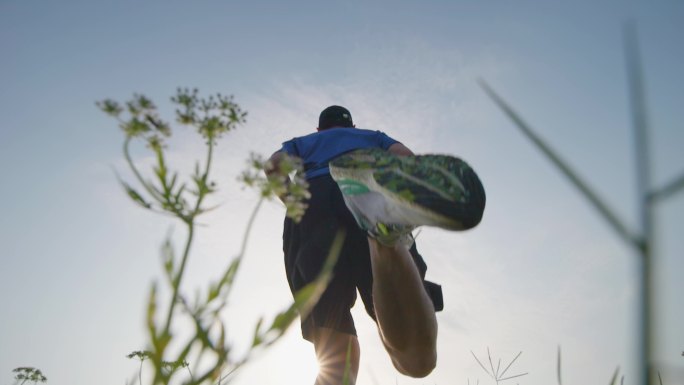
<point>319,148</point>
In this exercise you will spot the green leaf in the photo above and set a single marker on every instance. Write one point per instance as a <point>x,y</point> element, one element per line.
<point>135,196</point>
<point>221,343</point>
<point>283,320</point>
<point>158,341</point>
<point>257,339</point>
<point>232,272</point>
<point>615,376</point>
<point>202,334</point>
<point>172,183</point>
<point>306,297</point>
<point>168,257</point>
<point>214,291</point>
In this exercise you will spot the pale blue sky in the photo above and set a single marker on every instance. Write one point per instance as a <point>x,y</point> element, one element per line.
<point>541,270</point>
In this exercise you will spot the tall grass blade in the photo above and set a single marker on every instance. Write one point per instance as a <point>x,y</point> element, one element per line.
<point>491,364</point>
<point>478,361</point>
<point>615,376</point>
<point>558,366</point>
<point>515,376</point>
<point>230,373</point>
<point>511,363</point>
<point>643,178</point>
<point>565,169</point>
<point>667,190</point>
<point>347,364</point>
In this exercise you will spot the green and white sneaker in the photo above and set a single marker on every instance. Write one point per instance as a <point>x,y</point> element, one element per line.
<point>391,195</point>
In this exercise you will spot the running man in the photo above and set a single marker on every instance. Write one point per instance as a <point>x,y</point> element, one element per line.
<point>376,190</point>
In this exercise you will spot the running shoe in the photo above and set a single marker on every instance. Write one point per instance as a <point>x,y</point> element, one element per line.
<point>391,195</point>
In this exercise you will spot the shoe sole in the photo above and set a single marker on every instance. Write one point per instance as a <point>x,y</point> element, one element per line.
<point>433,190</point>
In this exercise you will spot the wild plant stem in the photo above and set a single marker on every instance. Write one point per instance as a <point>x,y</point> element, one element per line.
<point>201,195</point>
<point>243,249</point>
<point>140,372</point>
<point>179,276</point>
<point>190,221</point>
<point>248,230</point>
<point>129,160</point>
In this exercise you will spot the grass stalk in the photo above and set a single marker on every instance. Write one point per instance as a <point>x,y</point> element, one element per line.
<point>511,363</point>
<point>612,219</point>
<point>558,366</point>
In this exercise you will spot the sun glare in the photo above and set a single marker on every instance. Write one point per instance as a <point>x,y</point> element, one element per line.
<point>297,363</point>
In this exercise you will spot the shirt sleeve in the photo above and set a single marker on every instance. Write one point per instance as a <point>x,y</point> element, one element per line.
<point>290,147</point>
<point>384,140</point>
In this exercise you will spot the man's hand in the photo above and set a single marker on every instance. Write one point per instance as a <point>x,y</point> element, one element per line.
<point>273,172</point>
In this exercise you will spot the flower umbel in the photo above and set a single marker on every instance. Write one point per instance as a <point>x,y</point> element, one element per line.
<point>286,182</point>
<point>29,374</point>
<point>212,116</point>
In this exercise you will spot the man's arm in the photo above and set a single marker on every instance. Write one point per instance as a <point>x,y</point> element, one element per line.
<point>399,149</point>
<point>274,161</point>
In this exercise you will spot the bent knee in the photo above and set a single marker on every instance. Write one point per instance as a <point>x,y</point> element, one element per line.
<point>417,365</point>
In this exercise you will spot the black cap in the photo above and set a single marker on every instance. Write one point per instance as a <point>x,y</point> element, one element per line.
<point>335,116</point>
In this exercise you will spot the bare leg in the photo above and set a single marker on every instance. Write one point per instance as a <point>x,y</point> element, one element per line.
<point>331,350</point>
<point>405,313</point>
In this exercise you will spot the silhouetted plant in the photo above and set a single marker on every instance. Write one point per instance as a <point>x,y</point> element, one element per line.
<point>643,239</point>
<point>212,117</point>
<point>141,356</point>
<point>24,374</point>
<point>498,374</point>
<point>172,366</point>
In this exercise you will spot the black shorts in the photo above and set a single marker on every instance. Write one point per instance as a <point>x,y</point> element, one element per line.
<point>306,246</point>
